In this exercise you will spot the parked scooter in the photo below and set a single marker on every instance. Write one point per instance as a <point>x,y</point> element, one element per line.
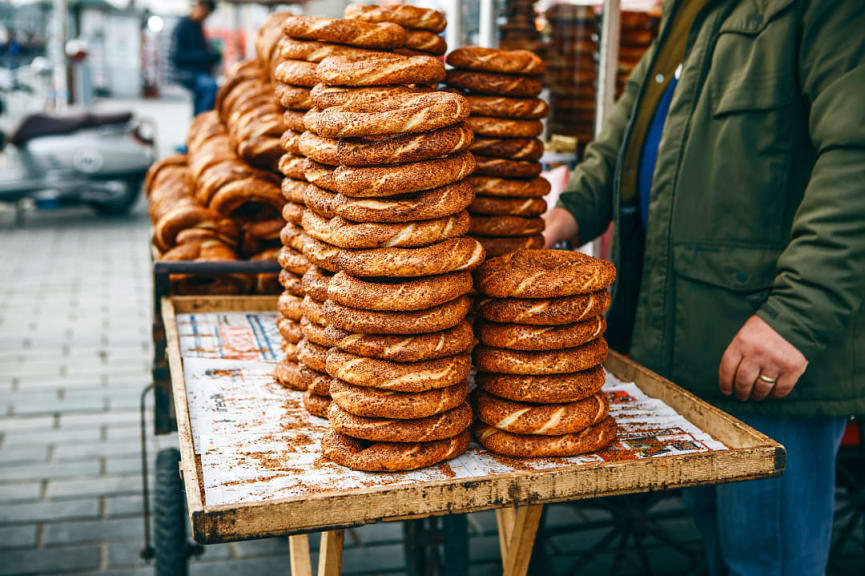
<point>94,159</point>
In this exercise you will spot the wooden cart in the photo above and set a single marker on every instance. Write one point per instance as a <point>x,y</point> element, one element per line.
<point>518,496</point>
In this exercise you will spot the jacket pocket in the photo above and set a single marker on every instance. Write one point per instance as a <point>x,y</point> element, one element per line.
<point>716,289</point>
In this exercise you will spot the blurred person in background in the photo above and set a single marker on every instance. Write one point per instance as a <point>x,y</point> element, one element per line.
<point>734,167</point>
<point>192,58</point>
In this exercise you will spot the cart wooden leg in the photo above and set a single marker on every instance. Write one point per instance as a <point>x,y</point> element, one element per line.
<point>298,547</point>
<point>517,530</point>
<point>330,553</point>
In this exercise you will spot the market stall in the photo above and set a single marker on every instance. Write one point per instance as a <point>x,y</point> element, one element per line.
<point>234,425</point>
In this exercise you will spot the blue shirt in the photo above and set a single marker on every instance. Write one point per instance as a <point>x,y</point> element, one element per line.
<point>649,154</point>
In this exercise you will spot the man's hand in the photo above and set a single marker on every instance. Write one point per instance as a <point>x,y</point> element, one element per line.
<point>758,354</point>
<point>561,226</point>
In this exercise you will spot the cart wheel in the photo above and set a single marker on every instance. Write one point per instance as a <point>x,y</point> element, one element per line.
<point>169,537</point>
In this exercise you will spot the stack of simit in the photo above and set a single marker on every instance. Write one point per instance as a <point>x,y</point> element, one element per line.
<point>307,266</point>
<point>540,354</point>
<point>501,87</point>
<point>390,166</point>
<point>422,26</point>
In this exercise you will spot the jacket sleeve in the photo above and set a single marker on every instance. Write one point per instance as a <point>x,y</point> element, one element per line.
<point>589,194</point>
<point>821,274</point>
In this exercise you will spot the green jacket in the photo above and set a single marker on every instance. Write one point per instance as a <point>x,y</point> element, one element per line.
<point>757,203</point>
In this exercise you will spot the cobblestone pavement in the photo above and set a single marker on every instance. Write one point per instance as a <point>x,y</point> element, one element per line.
<point>74,356</point>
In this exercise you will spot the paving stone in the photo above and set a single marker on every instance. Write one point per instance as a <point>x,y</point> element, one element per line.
<point>35,561</point>
<point>18,536</point>
<point>103,485</point>
<point>19,491</point>
<point>22,454</point>
<point>119,506</point>
<point>113,418</point>
<point>99,449</point>
<point>49,470</point>
<point>51,436</point>
<point>14,423</point>
<point>113,530</point>
<point>127,554</point>
<point>49,511</point>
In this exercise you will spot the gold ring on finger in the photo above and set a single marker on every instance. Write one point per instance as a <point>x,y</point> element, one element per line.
<point>766,379</point>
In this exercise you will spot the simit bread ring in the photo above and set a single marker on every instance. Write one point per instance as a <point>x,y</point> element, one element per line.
<point>414,348</point>
<point>293,120</point>
<point>296,73</point>
<point>313,310</point>
<point>451,255</point>
<point>312,355</point>
<point>291,282</point>
<point>401,114</point>
<point>325,96</point>
<point>393,150</point>
<point>504,361</point>
<point>292,213</point>
<point>376,181</point>
<point>363,34</point>
<point>312,51</point>
<point>498,245</point>
<point>290,141</point>
<point>398,376</point>
<point>504,107</point>
<point>507,168</point>
<point>544,274</point>
<point>558,388</point>
<point>316,333</point>
<point>540,419</point>
<point>340,232</point>
<point>320,175</point>
<point>504,127</point>
<point>502,187</point>
<point>294,190</point>
<point>289,306</point>
<point>434,319</point>
<point>427,205</point>
<point>380,70</point>
<point>244,193</point>
<point>321,254</point>
<point>390,456</point>
<point>493,206</point>
<point>505,226</point>
<point>526,337</point>
<point>293,261</point>
<point>544,312</point>
<point>315,404</point>
<point>304,378</point>
<point>289,330</point>
<point>315,283</point>
<point>424,41</point>
<point>319,201</point>
<point>591,439</point>
<point>415,294</point>
<point>292,166</point>
<point>374,403</point>
<point>493,60</point>
<point>293,97</point>
<point>319,382</point>
<point>402,14</point>
<point>513,148</point>
<point>287,374</point>
<point>290,351</point>
<point>490,83</point>
<point>430,428</point>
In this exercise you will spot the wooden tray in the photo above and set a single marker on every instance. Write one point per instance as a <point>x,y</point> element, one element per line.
<point>751,455</point>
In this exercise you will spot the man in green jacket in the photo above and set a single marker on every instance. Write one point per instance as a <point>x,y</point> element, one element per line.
<point>734,169</point>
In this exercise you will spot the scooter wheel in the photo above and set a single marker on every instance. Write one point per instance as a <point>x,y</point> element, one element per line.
<point>121,205</point>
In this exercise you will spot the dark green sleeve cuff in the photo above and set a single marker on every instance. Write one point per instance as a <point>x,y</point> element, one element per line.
<point>787,323</point>
<point>582,208</point>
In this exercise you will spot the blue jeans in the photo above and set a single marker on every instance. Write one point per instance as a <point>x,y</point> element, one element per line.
<point>780,526</point>
<point>203,88</point>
